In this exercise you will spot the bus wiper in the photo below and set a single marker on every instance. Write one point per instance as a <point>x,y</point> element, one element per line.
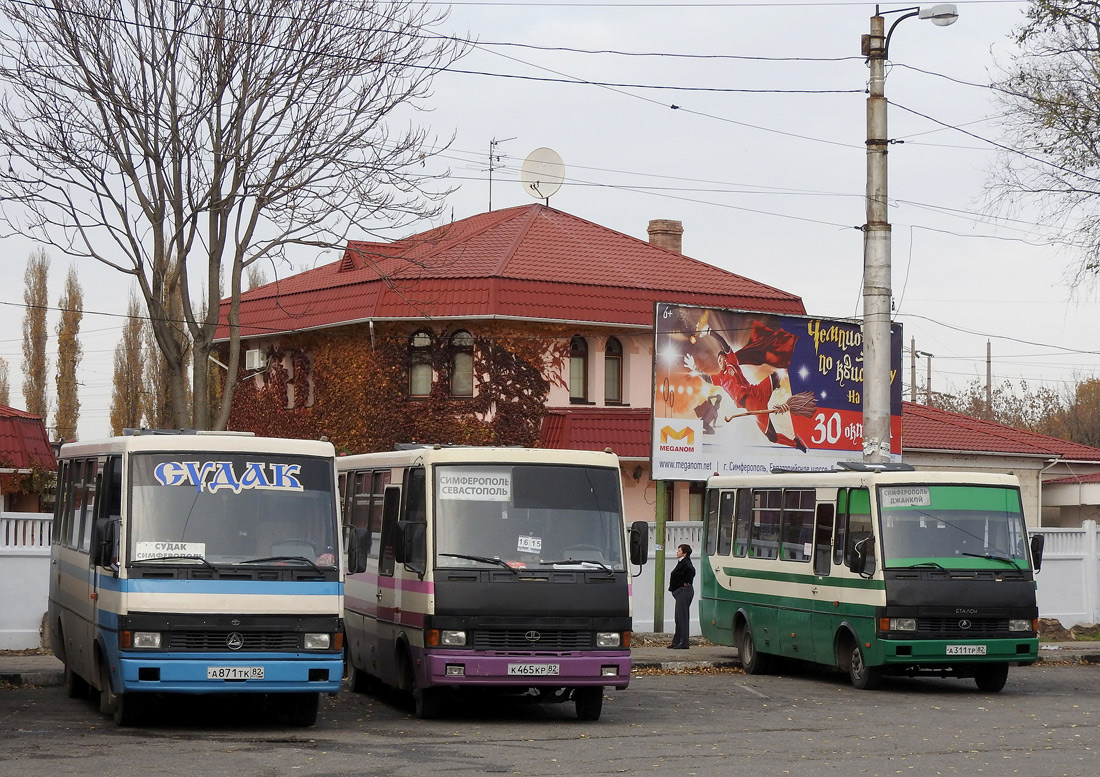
<point>483,560</point>
<point>924,564</point>
<point>600,564</point>
<point>282,558</point>
<point>993,557</point>
<point>173,558</point>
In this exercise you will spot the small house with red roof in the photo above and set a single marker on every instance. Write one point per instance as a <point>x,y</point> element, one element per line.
<point>523,326</point>
<point>25,456</point>
<point>1053,473</point>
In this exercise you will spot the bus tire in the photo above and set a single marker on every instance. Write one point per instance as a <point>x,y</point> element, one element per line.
<point>991,678</point>
<point>864,678</point>
<point>75,685</point>
<point>588,701</point>
<point>360,681</point>
<point>125,708</point>
<point>301,709</point>
<point>427,702</point>
<point>752,660</point>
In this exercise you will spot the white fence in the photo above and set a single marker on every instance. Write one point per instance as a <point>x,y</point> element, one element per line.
<point>24,578</point>
<point>1069,582</point>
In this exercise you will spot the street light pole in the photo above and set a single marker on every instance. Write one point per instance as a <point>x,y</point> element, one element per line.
<point>876,235</point>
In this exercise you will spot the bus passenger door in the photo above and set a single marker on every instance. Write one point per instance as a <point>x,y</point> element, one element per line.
<point>825,596</point>
<point>385,623</point>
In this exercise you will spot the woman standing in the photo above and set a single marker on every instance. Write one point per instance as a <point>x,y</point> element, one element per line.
<point>680,583</point>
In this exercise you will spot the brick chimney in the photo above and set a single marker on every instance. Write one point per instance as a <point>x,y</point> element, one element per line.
<point>667,233</point>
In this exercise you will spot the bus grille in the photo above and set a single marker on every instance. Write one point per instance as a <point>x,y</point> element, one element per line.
<point>515,639</point>
<point>254,641</point>
<point>954,627</point>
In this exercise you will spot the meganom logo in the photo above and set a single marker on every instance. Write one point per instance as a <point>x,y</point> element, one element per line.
<point>687,435</point>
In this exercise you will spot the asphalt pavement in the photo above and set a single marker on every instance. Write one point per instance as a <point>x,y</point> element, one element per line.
<point>650,651</point>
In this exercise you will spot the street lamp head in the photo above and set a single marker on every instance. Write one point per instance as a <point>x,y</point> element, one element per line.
<point>941,15</point>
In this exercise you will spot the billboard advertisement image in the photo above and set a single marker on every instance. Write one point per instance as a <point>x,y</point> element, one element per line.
<point>739,392</point>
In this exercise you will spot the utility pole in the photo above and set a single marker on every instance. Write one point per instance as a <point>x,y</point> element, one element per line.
<point>493,159</point>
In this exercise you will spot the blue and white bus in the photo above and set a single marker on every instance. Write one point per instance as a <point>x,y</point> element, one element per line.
<point>197,563</point>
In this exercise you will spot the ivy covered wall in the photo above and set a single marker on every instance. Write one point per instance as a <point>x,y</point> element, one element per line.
<point>352,386</point>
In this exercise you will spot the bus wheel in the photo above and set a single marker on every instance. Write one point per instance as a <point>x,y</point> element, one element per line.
<point>75,685</point>
<point>360,681</point>
<point>865,678</point>
<point>427,702</point>
<point>991,678</point>
<point>752,661</point>
<point>125,708</point>
<point>589,702</point>
<point>301,709</point>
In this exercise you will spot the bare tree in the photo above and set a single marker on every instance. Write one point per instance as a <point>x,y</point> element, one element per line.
<point>69,353</point>
<point>180,141</point>
<point>256,276</point>
<point>1049,95</point>
<point>5,386</point>
<point>35,363</point>
<point>159,396</point>
<point>129,377</point>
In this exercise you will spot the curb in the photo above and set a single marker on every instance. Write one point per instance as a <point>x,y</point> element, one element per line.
<point>32,679</point>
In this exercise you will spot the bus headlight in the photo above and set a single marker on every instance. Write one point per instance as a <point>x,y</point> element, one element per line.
<point>317,641</point>
<point>1019,624</point>
<point>452,638</point>
<point>146,640</point>
<point>607,639</point>
<point>899,624</point>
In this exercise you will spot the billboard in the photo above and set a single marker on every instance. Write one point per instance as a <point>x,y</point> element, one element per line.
<point>741,392</point>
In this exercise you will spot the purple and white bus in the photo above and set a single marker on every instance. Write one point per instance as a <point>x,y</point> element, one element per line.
<point>496,569</point>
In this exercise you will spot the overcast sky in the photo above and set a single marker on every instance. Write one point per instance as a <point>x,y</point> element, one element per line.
<point>759,152</point>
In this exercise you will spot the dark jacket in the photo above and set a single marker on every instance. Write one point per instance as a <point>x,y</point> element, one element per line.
<point>682,574</point>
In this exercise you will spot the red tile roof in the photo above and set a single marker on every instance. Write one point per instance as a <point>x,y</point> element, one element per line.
<point>528,262</point>
<point>627,432</point>
<point>623,430</point>
<point>23,441</point>
<point>927,428</point>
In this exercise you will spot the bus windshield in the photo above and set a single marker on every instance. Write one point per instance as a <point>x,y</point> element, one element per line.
<point>528,515</point>
<point>228,508</point>
<point>952,526</point>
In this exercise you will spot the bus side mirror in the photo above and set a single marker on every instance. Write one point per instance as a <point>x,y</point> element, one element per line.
<point>105,543</point>
<point>358,550</point>
<point>1038,542</point>
<point>639,543</point>
<point>411,545</point>
<point>857,562</point>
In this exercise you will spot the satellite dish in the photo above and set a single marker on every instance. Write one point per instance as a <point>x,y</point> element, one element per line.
<point>542,173</point>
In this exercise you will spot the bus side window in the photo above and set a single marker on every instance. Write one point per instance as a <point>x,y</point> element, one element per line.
<point>725,522</point>
<point>391,508</point>
<point>416,512</point>
<point>798,524</point>
<point>743,523</point>
<point>822,536</point>
<point>91,478</point>
<point>840,535</point>
<point>62,516</point>
<point>860,529</point>
<point>712,522</point>
<point>767,509</point>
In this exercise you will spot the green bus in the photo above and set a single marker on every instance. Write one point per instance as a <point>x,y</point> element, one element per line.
<point>873,569</point>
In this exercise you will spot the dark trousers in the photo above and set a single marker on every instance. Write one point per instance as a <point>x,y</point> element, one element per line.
<point>683,596</point>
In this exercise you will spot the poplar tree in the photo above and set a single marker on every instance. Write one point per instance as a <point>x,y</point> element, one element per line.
<point>69,354</point>
<point>128,383</point>
<point>35,363</point>
<point>5,387</point>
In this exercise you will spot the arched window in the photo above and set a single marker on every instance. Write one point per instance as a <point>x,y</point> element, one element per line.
<point>613,372</point>
<point>462,364</point>
<point>578,369</point>
<point>420,365</point>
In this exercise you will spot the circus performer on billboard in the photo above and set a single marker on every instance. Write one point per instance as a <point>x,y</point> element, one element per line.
<point>766,347</point>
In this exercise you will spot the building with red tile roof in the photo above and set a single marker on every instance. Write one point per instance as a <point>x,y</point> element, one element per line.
<point>24,449</point>
<point>540,290</point>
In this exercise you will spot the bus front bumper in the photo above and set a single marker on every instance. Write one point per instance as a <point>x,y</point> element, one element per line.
<point>253,673</point>
<point>927,652</point>
<point>463,667</point>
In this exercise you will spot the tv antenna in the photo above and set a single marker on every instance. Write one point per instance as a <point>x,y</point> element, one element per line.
<point>494,157</point>
<point>542,173</point>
